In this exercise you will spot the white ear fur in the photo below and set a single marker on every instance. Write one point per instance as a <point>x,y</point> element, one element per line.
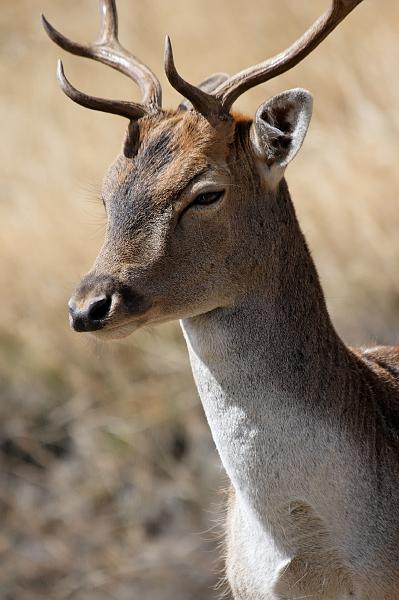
<point>280,127</point>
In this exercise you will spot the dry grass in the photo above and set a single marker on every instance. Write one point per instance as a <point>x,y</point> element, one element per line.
<point>108,471</point>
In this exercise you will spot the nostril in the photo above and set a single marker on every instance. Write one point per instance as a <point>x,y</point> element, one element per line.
<point>99,308</point>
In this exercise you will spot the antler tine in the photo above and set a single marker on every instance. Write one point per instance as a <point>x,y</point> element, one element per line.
<point>109,51</point>
<point>229,91</point>
<point>108,22</point>
<point>203,102</point>
<point>131,110</point>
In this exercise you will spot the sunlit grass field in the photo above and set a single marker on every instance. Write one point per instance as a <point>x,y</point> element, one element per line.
<point>109,479</point>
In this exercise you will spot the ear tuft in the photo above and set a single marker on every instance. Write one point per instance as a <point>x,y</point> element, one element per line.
<point>280,126</point>
<point>131,142</point>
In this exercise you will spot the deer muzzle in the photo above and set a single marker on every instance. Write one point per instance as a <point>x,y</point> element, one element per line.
<point>102,301</point>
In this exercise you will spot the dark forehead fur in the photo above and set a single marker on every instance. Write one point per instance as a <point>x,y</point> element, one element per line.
<point>163,152</point>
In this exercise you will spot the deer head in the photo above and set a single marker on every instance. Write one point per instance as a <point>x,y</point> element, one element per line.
<point>193,200</point>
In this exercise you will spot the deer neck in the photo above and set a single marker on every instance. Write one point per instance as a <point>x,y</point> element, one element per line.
<point>266,369</point>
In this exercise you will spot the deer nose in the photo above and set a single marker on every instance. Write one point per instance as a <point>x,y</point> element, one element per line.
<point>91,316</point>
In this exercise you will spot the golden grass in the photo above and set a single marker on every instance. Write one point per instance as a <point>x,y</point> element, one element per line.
<point>98,500</point>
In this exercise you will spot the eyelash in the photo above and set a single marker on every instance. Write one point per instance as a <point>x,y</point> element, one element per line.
<point>207,198</point>
<point>204,199</point>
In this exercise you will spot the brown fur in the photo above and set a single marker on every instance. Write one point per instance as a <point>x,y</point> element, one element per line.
<point>165,258</point>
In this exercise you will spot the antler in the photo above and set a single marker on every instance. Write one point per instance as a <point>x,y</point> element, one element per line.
<point>243,81</point>
<point>202,101</point>
<point>108,50</point>
<point>228,92</point>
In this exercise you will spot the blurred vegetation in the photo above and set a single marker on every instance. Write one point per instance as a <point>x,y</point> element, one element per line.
<point>108,475</point>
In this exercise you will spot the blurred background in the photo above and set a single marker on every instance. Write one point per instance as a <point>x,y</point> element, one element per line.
<point>109,480</point>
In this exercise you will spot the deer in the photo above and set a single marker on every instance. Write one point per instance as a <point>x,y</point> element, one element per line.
<point>201,228</point>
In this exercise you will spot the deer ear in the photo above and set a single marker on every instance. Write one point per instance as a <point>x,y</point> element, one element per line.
<point>280,126</point>
<point>208,85</point>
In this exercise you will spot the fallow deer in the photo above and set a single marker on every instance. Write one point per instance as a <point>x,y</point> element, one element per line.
<point>201,228</point>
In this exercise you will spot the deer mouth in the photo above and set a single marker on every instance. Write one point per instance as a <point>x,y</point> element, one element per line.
<point>118,331</point>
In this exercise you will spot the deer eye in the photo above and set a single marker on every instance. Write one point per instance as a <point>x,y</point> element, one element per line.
<point>207,198</point>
